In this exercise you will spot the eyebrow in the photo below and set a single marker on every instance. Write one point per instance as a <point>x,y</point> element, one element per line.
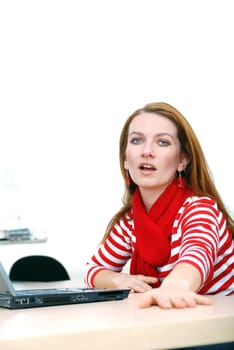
<point>159,134</point>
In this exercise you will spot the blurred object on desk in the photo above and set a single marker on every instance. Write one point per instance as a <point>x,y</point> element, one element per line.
<point>21,235</point>
<point>18,234</point>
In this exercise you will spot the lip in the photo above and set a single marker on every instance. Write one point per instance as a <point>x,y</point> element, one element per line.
<point>147,168</point>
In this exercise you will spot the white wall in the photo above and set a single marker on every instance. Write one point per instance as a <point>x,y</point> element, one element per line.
<point>72,71</point>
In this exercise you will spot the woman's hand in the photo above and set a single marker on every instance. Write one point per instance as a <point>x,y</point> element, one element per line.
<point>177,290</point>
<point>177,298</point>
<point>120,280</point>
<point>137,283</point>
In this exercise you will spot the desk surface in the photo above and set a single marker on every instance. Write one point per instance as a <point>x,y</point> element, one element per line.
<point>115,325</point>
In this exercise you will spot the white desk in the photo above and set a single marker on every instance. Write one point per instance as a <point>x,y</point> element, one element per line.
<point>115,325</point>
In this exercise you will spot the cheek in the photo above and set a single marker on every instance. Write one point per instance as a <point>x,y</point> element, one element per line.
<point>127,161</point>
<point>171,160</point>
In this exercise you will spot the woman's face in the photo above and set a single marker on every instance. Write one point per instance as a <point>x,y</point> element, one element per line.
<point>153,151</point>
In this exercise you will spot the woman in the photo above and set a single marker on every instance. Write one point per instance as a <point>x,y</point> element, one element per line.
<point>173,226</point>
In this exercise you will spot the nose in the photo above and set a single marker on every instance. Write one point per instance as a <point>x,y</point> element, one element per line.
<point>148,150</point>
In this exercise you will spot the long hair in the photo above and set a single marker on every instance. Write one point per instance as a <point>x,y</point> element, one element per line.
<point>197,173</point>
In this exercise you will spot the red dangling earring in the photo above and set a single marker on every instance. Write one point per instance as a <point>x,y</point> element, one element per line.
<point>127,179</point>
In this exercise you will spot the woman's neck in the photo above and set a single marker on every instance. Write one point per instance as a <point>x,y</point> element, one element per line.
<point>149,195</point>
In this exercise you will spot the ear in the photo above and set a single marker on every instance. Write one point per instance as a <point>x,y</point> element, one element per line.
<point>125,165</point>
<point>184,161</point>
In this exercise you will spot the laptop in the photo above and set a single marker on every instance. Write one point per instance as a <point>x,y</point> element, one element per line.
<point>20,299</point>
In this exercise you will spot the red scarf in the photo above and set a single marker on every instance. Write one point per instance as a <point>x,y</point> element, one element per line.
<point>153,228</point>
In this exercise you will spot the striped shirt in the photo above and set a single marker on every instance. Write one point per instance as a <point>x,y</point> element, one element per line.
<point>199,237</point>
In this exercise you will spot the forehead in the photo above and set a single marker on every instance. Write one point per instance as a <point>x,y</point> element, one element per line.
<point>152,123</point>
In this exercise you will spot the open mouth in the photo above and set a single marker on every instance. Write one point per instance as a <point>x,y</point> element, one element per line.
<point>147,167</point>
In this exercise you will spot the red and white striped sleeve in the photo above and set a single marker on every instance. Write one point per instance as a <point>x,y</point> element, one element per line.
<point>113,254</point>
<point>207,244</point>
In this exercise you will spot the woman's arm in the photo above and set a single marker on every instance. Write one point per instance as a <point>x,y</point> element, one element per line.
<point>195,266</point>
<point>177,290</point>
<point>111,279</point>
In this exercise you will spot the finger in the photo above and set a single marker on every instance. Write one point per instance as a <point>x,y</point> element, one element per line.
<point>189,301</point>
<point>142,288</point>
<point>202,300</point>
<point>181,303</point>
<point>150,280</point>
<point>167,303</point>
<point>146,300</point>
<point>146,279</point>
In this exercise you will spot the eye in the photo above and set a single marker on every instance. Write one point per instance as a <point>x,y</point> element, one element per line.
<point>136,140</point>
<point>163,143</point>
